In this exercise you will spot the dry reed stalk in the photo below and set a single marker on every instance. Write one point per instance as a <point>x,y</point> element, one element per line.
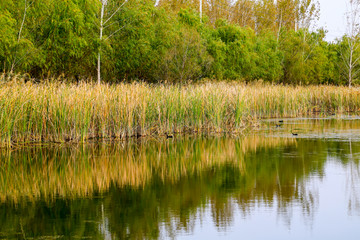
<point>60,112</point>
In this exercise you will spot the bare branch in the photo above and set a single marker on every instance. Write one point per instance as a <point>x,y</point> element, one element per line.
<point>112,34</point>
<point>118,9</point>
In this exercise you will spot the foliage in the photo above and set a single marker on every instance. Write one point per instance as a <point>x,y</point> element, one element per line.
<point>246,41</point>
<point>308,59</point>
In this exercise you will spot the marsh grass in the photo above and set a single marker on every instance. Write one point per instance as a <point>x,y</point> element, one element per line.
<point>62,112</point>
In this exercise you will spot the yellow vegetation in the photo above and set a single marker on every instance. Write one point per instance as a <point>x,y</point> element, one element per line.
<point>60,112</point>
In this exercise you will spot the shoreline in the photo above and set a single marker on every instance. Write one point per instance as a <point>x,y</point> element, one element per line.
<point>63,112</point>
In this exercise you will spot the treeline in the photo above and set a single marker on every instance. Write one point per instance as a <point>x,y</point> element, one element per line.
<point>169,41</point>
<point>260,15</point>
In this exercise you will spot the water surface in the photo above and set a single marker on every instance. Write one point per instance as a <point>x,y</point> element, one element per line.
<point>268,183</point>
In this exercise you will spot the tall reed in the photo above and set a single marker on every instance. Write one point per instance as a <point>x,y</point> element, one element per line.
<point>60,112</point>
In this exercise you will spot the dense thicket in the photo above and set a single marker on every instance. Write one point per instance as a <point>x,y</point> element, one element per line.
<point>246,40</point>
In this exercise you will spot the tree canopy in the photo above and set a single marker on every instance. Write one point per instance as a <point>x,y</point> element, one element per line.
<point>245,40</point>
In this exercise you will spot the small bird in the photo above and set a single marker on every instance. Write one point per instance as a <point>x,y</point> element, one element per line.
<point>294,134</point>
<point>281,121</point>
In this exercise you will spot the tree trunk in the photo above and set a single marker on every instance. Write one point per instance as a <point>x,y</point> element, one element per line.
<point>200,10</point>
<point>101,36</point>
<point>351,64</point>
<point>19,37</point>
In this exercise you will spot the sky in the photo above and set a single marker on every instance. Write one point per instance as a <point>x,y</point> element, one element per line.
<point>332,17</point>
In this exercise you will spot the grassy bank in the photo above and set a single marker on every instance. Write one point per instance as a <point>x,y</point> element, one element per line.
<point>59,112</point>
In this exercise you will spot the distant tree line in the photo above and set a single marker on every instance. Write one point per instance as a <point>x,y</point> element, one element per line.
<point>167,40</point>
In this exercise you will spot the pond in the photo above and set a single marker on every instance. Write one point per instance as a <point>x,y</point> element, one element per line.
<point>289,179</point>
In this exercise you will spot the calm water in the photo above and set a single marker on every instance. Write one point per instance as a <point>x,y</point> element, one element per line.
<point>266,184</point>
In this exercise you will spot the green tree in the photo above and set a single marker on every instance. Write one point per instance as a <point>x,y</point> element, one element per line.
<point>305,62</point>
<point>350,42</point>
<point>7,33</point>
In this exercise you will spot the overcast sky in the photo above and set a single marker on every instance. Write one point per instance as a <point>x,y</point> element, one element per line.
<point>332,17</point>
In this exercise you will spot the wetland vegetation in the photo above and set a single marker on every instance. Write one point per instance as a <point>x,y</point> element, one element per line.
<point>162,68</point>
<point>124,119</point>
<point>60,112</point>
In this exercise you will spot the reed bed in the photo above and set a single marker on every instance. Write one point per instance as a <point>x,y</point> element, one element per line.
<point>61,112</point>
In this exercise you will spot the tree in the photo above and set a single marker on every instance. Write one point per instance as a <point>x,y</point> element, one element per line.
<point>286,10</point>
<point>308,13</point>
<point>105,21</point>
<point>7,33</point>
<point>218,9</point>
<point>176,5</point>
<point>14,14</point>
<point>64,39</point>
<point>351,45</point>
<point>139,50</point>
<point>265,12</point>
<point>27,5</point>
<point>243,13</point>
<point>305,62</point>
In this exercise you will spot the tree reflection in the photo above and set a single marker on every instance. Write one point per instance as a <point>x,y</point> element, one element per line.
<point>142,189</point>
<point>353,183</point>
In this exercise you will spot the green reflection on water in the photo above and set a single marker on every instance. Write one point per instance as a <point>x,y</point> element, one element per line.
<point>135,189</point>
<point>80,171</point>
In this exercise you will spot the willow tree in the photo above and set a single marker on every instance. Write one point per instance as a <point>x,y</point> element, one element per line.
<point>17,37</point>
<point>177,5</point>
<point>307,14</point>
<point>7,33</point>
<point>265,11</point>
<point>243,13</point>
<point>218,9</point>
<point>106,17</point>
<point>27,5</point>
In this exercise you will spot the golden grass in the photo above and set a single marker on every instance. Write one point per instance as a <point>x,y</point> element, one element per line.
<point>60,112</point>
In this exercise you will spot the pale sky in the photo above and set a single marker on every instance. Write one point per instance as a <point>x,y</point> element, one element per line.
<point>332,17</point>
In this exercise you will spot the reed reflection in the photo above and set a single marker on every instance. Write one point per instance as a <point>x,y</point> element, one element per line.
<point>138,189</point>
<point>78,171</point>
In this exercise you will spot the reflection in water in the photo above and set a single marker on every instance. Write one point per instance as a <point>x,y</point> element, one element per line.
<point>343,128</point>
<point>82,170</point>
<point>163,188</point>
<point>353,191</point>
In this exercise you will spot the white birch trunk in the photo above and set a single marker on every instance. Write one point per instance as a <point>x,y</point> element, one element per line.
<point>19,35</point>
<point>103,25</point>
<point>103,3</point>
<point>200,10</point>
<point>280,26</point>
<point>351,65</point>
